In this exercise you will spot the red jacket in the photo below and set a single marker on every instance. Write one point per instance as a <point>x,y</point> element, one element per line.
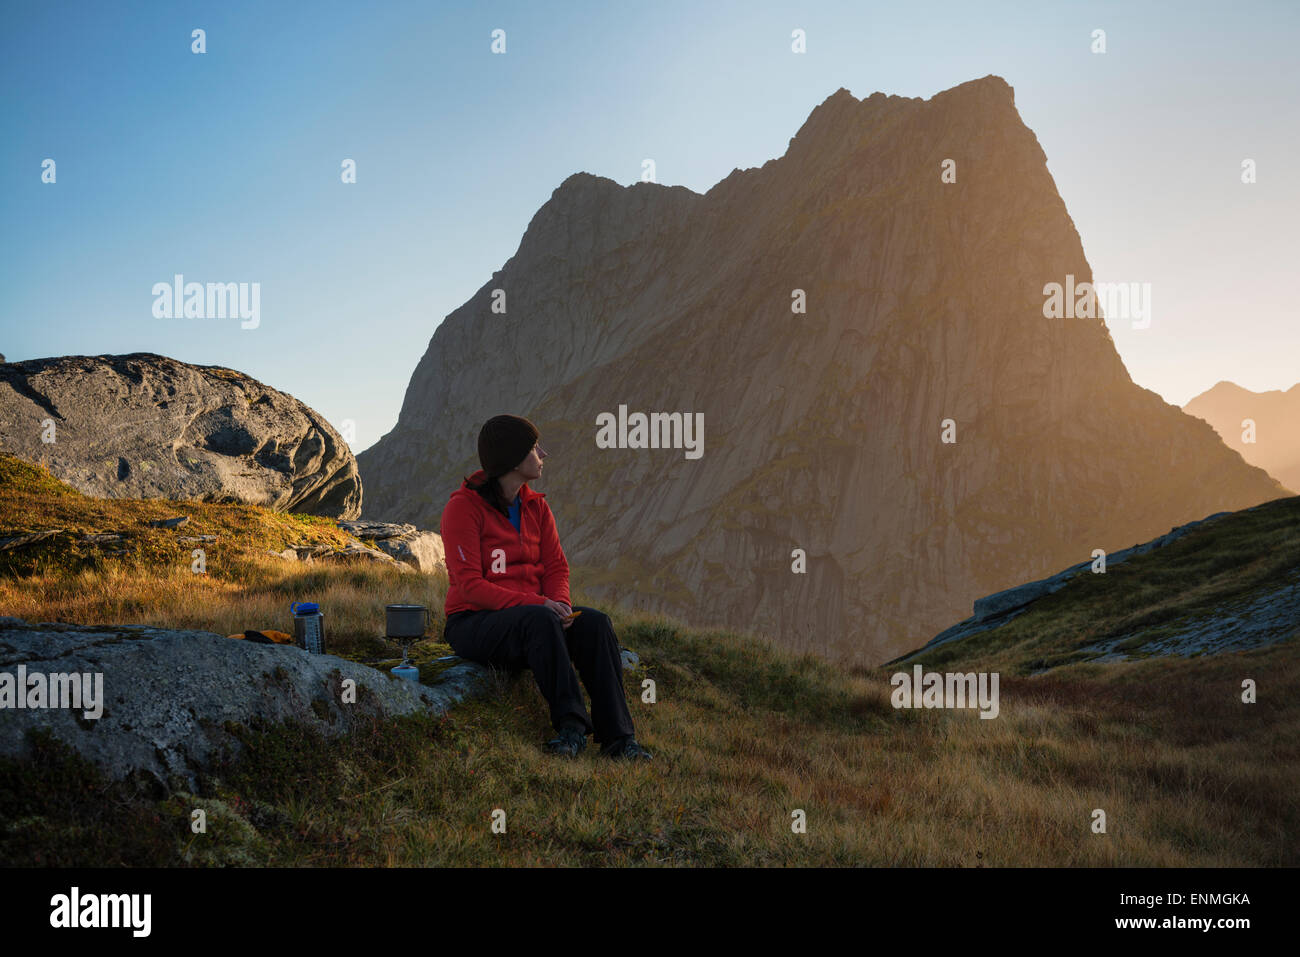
<point>530,566</point>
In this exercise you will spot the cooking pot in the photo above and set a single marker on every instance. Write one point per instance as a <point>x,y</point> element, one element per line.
<point>406,621</point>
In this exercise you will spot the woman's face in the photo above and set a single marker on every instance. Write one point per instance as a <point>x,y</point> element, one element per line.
<point>532,466</point>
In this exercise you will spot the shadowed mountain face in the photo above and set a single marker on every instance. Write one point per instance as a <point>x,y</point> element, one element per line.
<point>1271,437</point>
<point>822,430</point>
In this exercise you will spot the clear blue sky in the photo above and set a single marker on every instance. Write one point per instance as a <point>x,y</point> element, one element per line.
<point>225,166</point>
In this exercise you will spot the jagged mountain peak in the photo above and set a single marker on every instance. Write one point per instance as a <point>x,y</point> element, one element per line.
<point>845,114</point>
<point>923,304</point>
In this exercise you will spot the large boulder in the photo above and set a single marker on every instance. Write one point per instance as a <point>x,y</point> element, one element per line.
<point>147,426</point>
<point>168,695</point>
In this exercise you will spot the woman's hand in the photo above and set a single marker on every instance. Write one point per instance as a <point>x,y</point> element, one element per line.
<point>561,609</point>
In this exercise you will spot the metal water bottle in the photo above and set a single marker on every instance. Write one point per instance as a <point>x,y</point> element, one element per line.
<point>308,626</point>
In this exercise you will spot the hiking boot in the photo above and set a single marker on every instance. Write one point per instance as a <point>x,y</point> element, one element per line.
<point>626,748</point>
<point>569,743</point>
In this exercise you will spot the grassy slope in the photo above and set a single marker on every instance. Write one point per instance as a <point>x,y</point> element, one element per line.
<point>742,734</point>
<point>152,581</point>
<point>1226,561</point>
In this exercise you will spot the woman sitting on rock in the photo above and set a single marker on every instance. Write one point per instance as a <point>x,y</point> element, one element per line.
<point>508,601</point>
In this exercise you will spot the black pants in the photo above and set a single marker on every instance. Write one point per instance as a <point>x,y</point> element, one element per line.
<point>532,636</point>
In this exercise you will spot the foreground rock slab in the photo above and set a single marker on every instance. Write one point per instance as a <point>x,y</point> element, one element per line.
<point>167,694</point>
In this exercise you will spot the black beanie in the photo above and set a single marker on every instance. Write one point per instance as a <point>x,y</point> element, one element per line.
<point>504,442</point>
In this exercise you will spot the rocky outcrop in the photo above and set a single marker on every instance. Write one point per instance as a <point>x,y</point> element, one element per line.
<point>404,542</point>
<point>146,426</point>
<point>823,427</point>
<point>1263,426</point>
<point>10,542</point>
<point>354,552</point>
<point>167,696</point>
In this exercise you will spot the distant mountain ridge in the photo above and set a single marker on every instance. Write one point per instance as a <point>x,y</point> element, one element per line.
<point>823,428</point>
<point>1275,445</point>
